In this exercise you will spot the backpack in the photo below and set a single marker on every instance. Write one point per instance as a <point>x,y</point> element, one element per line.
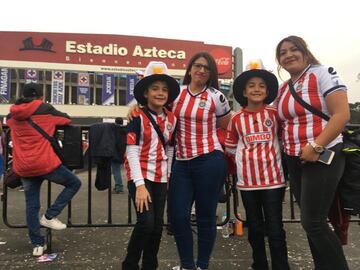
<point>349,186</point>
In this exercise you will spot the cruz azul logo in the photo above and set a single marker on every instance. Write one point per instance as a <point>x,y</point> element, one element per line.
<point>258,137</point>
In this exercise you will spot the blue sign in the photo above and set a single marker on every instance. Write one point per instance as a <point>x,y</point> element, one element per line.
<point>83,89</point>
<point>108,89</point>
<point>131,81</point>
<point>5,76</point>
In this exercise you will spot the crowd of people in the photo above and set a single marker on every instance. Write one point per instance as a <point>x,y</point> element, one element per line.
<point>173,154</point>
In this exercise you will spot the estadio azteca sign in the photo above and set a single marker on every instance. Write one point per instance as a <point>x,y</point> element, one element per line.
<point>114,49</point>
<point>103,53</point>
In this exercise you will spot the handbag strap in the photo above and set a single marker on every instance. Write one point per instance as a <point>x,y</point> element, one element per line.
<point>40,130</point>
<point>305,104</point>
<point>156,126</point>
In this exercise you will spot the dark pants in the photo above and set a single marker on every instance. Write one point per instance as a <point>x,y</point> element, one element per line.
<point>199,180</point>
<point>264,217</point>
<point>146,236</point>
<point>314,185</point>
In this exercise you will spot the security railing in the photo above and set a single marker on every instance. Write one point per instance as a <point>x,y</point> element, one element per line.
<point>232,195</point>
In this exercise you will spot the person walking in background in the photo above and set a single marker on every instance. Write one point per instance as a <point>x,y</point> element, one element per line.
<point>253,142</point>
<point>149,153</point>
<point>118,159</point>
<point>306,136</point>
<point>35,160</point>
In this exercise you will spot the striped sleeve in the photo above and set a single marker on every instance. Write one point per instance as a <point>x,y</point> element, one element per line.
<point>222,106</point>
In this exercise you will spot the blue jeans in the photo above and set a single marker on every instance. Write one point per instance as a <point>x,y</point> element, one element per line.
<point>32,186</point>
<point>199,180</point>
<point>264,218</point>
<point>116,170</point>
<point>1,165</point>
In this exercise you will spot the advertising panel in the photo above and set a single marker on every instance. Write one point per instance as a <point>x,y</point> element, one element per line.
<point>108,89</point>
<point>57,87</point>
<point>5,76</point>
<point>31,75</point>
<point>83,89</point>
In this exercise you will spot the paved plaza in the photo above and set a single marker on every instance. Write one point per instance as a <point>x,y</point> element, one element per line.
<point>104,248</point>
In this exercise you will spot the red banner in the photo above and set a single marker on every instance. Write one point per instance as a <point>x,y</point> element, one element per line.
<point>103,53</point>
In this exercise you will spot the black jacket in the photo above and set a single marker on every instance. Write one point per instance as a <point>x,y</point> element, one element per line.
<point>107,142</point>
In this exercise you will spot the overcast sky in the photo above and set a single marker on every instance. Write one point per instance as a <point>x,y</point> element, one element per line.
<point>331,28</point>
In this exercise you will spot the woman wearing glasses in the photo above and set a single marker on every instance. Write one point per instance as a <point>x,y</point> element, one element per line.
<point>200,167</point>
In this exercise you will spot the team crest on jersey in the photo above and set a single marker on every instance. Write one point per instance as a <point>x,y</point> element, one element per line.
<point>298,88</point>
<point>202,103</point>
<point>169,126</point>
<point>268,123</point>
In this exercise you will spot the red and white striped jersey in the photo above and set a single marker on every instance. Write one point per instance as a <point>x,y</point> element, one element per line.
<point>152,161</point>
<point>253,138</point>
<point>196,114</point>
<point>299,125</point>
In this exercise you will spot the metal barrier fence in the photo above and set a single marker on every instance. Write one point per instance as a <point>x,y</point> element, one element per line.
<point>232,195</point>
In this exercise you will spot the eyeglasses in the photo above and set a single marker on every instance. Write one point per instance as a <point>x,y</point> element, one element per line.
<point>198,66</point>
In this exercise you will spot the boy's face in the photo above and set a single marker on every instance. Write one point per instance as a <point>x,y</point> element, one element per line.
<point>255,90</point>
<point>157,94</point>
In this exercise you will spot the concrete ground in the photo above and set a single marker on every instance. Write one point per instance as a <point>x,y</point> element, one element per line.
<point>104,248</point>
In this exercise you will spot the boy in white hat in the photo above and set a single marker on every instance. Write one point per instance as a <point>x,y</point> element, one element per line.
<point>149,152</point>
<point>252,139</point>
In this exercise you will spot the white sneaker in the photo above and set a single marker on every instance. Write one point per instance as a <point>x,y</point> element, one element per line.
<point>53,223</point>
<point>178,267</point>
<point>39,250</point>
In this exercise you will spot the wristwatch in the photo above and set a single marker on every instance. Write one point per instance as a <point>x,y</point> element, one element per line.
<point>317,148</point>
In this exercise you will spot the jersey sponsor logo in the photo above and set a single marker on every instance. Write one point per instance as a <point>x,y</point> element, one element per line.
<point>332,71</point>
<point>131,138</point>
<point>258,137</point>
<point>334,76</point>
<point>222,98</point>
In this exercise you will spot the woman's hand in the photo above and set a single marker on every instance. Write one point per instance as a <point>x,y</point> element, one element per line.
<point>308,154</point>
<point>142,198</point>
<point>133,109</point>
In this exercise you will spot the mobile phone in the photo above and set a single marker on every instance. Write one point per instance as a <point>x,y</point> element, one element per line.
<point>326,157</point>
